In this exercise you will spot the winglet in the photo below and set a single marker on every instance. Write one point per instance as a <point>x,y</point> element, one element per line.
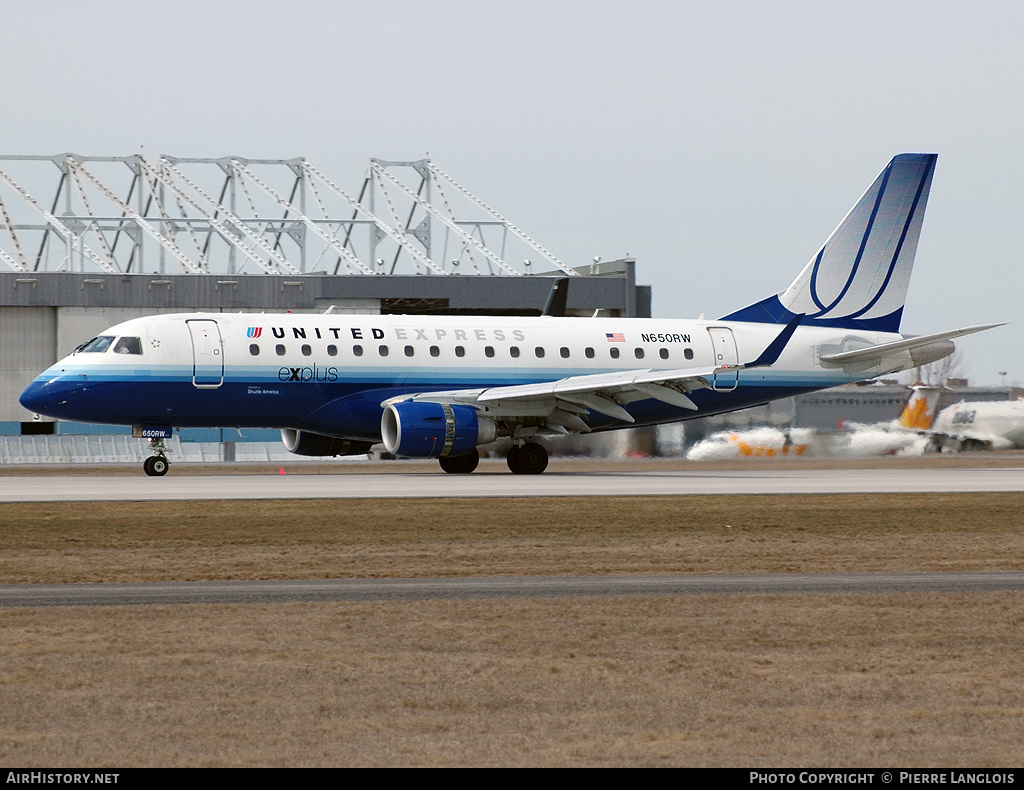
<point>774,350</point>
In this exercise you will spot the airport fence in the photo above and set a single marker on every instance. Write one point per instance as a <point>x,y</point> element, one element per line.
<point>121,449</point>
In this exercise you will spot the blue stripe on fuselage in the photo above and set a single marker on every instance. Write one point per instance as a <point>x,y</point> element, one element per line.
<point>350,406</point>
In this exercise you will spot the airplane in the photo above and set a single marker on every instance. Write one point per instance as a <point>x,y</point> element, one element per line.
<point>994,425</point>
<point>441,386</point>
<point>906,435</point>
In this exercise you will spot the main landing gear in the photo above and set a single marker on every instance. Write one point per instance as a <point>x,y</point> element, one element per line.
<point>460,464</point>
<point>156,465</point>
<point>530,459</point>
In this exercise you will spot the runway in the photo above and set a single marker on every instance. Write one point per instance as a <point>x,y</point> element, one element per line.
<point>493,481</point>
<point>356,590</point>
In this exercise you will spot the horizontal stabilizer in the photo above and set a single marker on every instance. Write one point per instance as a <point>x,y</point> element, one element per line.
<point>876,353</point>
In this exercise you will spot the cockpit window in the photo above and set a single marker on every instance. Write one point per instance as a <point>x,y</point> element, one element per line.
<point>128,345</point>
<point>97,344</point>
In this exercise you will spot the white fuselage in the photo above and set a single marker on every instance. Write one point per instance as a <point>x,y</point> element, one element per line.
<point>999,424</point>
<point>331,373</point>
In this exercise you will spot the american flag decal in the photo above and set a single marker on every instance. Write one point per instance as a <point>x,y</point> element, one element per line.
<point>254,331</point>
<point>615,337</point>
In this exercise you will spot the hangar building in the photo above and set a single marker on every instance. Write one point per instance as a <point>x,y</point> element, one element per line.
<point>87,242</point>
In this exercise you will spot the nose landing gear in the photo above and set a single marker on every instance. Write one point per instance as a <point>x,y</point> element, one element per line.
<point>156,465</point>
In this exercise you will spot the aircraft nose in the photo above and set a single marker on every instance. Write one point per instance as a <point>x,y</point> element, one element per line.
<point>36,397</point>
<point>48,395</point>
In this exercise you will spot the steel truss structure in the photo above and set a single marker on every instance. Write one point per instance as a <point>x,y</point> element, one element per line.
<point>233,215</point>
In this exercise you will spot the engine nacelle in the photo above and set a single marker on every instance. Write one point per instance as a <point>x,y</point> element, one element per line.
<point>306,443</point>
<point>434,430</point>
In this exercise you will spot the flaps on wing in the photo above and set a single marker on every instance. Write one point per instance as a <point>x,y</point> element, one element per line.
<point>606,392</point>
<point>600,382</point>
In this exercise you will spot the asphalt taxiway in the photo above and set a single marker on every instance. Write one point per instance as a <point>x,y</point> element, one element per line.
<point>497,482</point>
<point>352,590</point>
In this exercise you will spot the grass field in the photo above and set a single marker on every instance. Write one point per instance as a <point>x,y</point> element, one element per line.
<point>786,680</point>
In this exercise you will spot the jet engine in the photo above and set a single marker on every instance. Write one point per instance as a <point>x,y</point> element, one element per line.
<point>306,443</point>
<point>434,430</point>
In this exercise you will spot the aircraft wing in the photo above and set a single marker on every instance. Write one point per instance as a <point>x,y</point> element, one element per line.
<point>605,392</point>
<point>561,403</point>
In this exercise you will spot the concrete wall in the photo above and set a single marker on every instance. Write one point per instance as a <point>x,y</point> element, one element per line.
<point>28,336</point>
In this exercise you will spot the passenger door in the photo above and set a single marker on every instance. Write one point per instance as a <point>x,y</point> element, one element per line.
<point>207,353</point>
<point>725,354</point>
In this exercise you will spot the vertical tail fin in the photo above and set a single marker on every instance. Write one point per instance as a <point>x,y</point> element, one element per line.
<point>860,276</point>
<point>920,409</point>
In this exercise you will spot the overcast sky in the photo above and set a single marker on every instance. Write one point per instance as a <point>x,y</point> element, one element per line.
<point>717,142</point>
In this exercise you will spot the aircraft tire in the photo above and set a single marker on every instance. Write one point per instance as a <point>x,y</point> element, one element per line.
<point>512,459</point>
<point>155,466</point>
<point>460,464</point>
<point>532,459</point>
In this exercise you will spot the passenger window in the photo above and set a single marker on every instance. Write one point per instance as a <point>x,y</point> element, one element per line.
<point>382,350</point>
<point>539,351</point>
<point>513,352</point>
<point>332,351</point>
<point>613,352</point>
<point>97,344</point>
<point>488,351</point>
<point>357,350</point>
<point>663,353</point>
<point>409,351</point>
<point>460,351</point>
<point>128,345</point>
<point>280,349</point>
<point>688,353</point>
<point>254,350</point>
<point>435,351</point>
<point>589,352</point>
<point>638,353</point>
<point>564,352</point>
<point>306,350</point>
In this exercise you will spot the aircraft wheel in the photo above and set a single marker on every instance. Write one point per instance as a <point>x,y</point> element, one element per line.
<point>460,464</point>
<point>513,459</point>
<point>155,466</point>
<point>532,459</point>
